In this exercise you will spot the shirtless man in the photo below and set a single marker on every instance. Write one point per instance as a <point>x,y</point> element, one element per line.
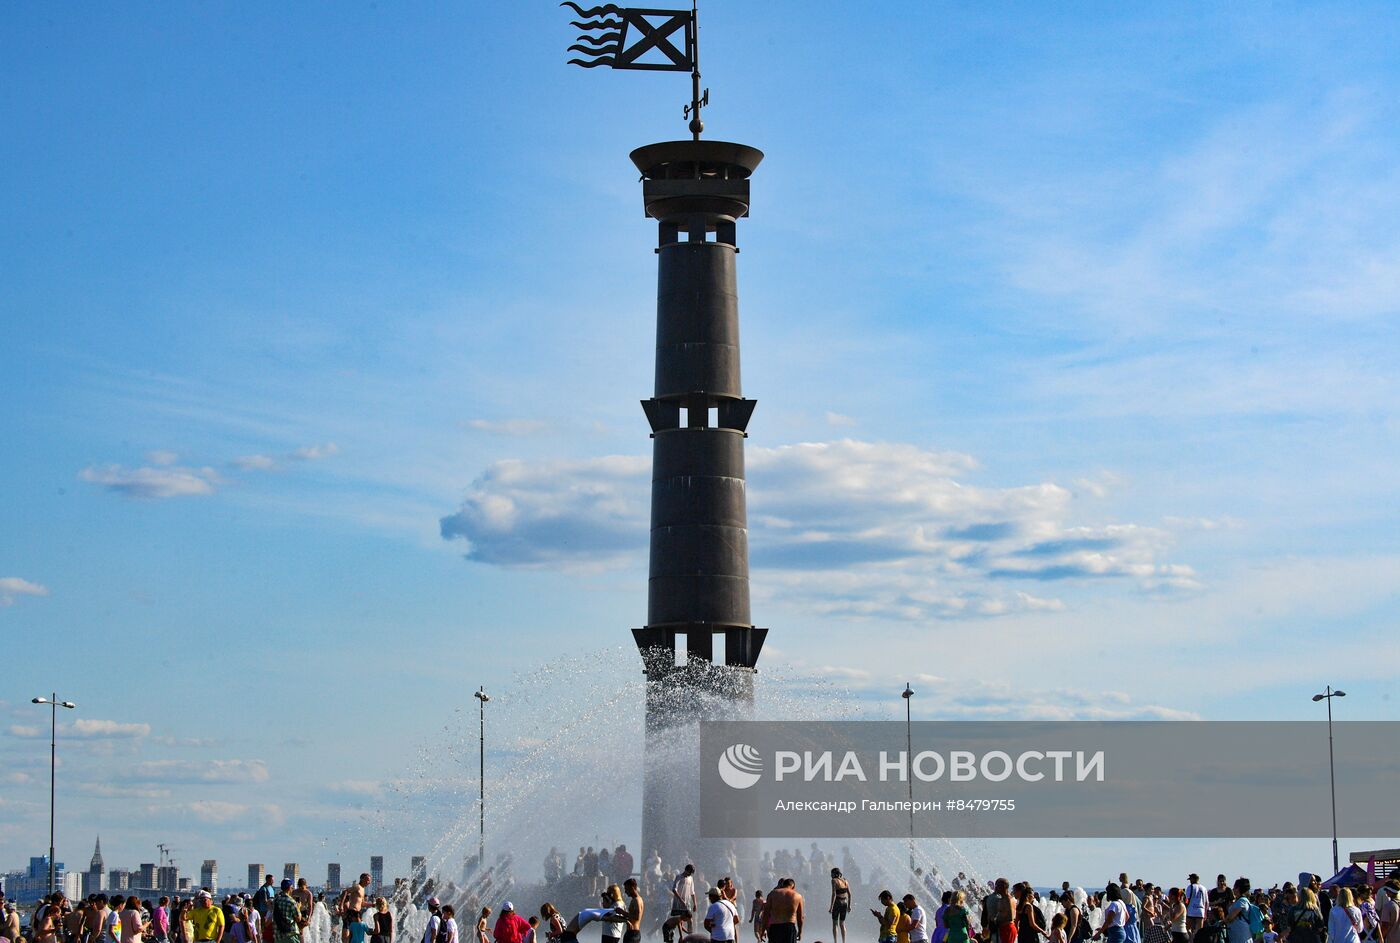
<point>302,895</point>
<point>96,919</point>
<point>783,913</point>
<point>635,908</point>
<point>352,904</point>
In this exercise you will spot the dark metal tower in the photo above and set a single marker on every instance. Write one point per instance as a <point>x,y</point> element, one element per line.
<point>698,590</point>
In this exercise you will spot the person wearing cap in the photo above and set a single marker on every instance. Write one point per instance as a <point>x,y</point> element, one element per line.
<point>9,926</point>
<point>286,916</point>
<point>510,926</point>
<point>207,919</point>
<point>1388,910</point>
<point>430,932</point>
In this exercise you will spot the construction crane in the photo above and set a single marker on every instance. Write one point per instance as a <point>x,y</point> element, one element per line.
<point>164,850</point>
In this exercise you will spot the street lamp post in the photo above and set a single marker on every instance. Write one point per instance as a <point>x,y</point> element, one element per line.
<point>908,695</point>
<point>54,704</point>
<point>1331,768</point>
<point>482,697</point>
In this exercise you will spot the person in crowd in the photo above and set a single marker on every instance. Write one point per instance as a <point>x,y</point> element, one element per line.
<point>10,926</point>
<point>287,919</point>
<point>262,900</point>
<point>784,913</point>
<point>584,917</point>
<point>554,922</point>
<point>1220,895</point>
<point>133,924</point>
<point>1115,916</point>
<point>1175,916</point>
<point>611,930</point>
<point>1305,921</point>
<point>840,907</point>
<point>1238,917</point>
<point>720,917</point>
<point>207,921</point>
<point>1057,928</point>
<point>1344,921</point>
<point>636,908</point>
<point>756,907</point>
<point>887,917</point>
<point>998,914</point>
<point>447,932</point>
<point>956,919</point>
<point>1029,928</point>
<point>382,930</point>
<point>916,919</point>
<point>1370,919</point>
<point>1388,910</point>
<point>940,916</point>
<point>237,929</point>
<point>434,922</point>
<point>483,926</point>
<point>510,926</point>
<point>683,894</point>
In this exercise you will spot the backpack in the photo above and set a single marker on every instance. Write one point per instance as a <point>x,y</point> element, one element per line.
<point>1082,930</point>
<point>1256,921</point>
<point>444,934</point>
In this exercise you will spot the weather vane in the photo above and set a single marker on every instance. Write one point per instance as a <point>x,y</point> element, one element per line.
<point>607,40</point>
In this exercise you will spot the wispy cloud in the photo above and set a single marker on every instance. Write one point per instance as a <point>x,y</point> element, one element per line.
<point>196,771</point>
<point>265,462</point>
<point>163,478</point>
<point>509,427</point>
<point>12,587</point>
<point>153,481</point>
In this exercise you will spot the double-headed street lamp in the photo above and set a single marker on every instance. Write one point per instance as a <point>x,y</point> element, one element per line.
<point>481,695</point>
<point>1331,768</point>
<point>54,704</point>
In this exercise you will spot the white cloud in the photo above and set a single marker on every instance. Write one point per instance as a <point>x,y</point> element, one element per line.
<point>509,427</point>
<point>197,771</point>
<point>220,812</point>
<point>311,453</point>
<point>152,482</point>
<point>265,462</point>
<point>162,457</point>
<point>837,419</point>
<point>13,586</point>
<point>91,729</point>
<point>25,731</point>
<point>849,528</point>
<point>109,791</point>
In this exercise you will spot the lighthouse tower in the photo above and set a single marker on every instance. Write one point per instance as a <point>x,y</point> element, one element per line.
<point>699,647</point>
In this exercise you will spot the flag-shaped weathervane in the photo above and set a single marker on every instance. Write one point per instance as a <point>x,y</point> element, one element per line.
<point>650,40</point>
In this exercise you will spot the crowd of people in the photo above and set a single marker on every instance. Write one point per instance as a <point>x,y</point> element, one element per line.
<point>689,911</point>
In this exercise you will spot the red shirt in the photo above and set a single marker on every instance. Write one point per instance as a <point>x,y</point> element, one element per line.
<point>511,928</point>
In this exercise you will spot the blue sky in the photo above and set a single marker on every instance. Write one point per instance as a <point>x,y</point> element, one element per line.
<point>1072,330</point>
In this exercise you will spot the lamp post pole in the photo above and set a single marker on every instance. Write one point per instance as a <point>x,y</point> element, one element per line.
<point>54,704</point>
<point>482,697</point>
<point>908,695</point>
<point>1332,768</point>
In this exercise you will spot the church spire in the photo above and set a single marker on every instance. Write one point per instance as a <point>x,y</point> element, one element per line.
<point>97,856</point>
